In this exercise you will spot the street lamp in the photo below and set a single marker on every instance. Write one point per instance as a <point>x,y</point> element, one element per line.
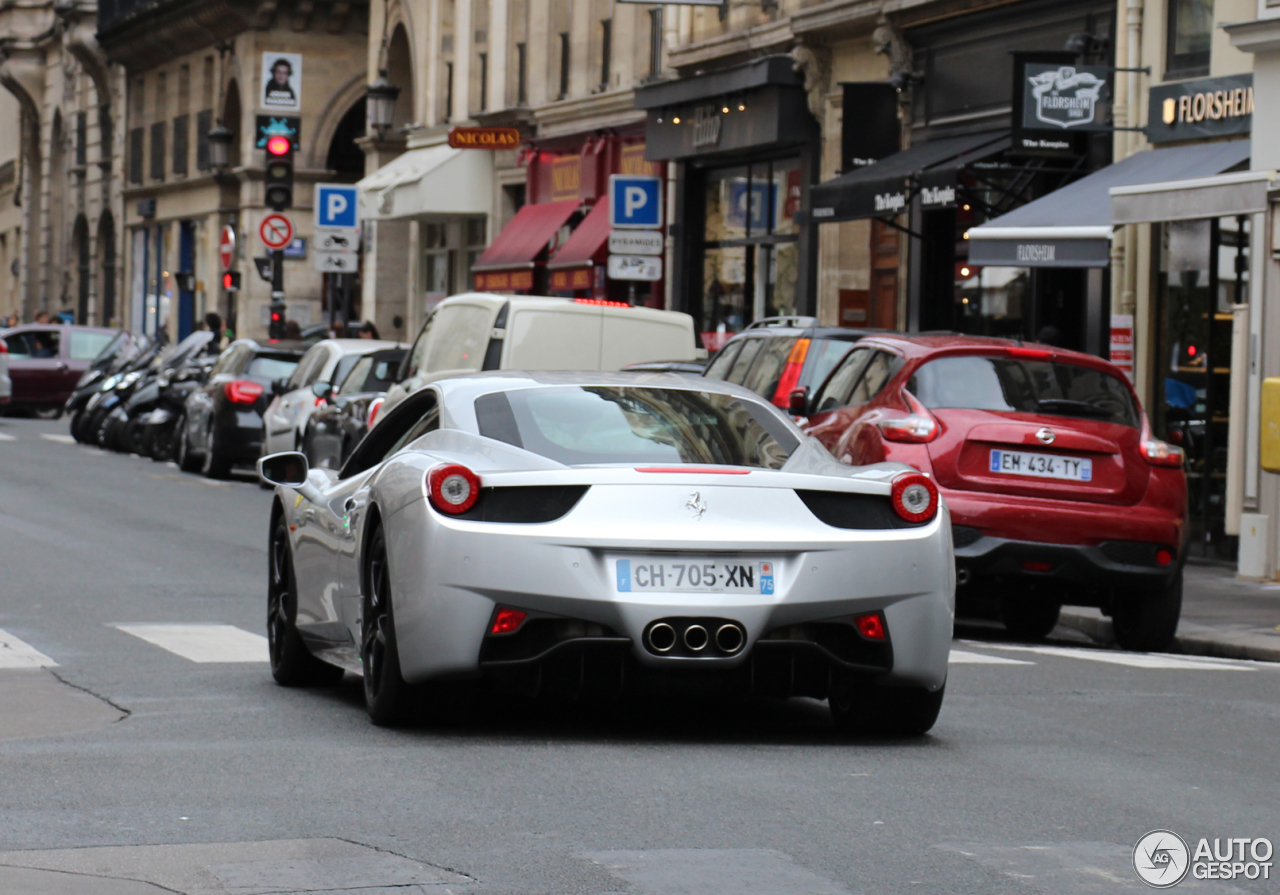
<point>219,146</point>
<point>382,96</point>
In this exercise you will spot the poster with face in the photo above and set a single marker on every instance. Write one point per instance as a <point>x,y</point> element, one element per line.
<point>282,81</point>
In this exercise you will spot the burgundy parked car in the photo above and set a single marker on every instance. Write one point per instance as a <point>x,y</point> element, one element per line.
<point>46,360</point>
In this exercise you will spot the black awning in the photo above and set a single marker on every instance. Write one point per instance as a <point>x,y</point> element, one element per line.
<point>768,71</point>
<point>884,189</point>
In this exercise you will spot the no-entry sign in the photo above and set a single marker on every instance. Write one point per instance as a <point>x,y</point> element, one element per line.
<point>227,247</point>
<point>276,231</point>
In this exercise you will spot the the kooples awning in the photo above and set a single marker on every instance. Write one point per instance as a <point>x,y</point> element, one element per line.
<point>1071,227</point>
<point>571,267</point>
<point>885,188</point>
<point>507,265</point>
<point>433,180</point>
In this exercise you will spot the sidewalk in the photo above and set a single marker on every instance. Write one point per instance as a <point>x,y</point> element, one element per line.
<point>1222,615</point>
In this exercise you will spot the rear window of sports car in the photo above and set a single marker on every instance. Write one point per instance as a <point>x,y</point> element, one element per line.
<point>582,425</point>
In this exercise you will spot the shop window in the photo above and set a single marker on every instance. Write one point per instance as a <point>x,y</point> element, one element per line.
<point>437,263</point>
<point>606,52</point>
<point>484,81</point>
<point>655,42</point>
<point>750,263</point>
<point>522,74</point>
<point>1189,38</point>
<point>474,235</point>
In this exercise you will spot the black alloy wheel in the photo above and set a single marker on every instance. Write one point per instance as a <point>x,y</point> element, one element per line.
<point>867,708</point>
<point>186,462</point>
<point>292,665</point>
<point>214,465</point>
<point>388,698</point>
<point>1147,622</point>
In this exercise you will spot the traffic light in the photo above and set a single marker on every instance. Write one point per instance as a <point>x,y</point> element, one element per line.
<point>231,281</point>
<point>275,328</point>
<point>278,187</point>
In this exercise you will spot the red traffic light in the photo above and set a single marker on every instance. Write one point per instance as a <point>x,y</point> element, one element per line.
<point>278,145</point>
<point>231,281</point>
<point>275,317</point>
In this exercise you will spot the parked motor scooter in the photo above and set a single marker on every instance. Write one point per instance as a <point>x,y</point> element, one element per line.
<point>160,427</point>
<point>114,360</point>
<point>126,424</point>
<point>114,391</point>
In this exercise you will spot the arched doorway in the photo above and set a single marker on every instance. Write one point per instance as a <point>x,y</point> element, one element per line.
<point>107,280</point>
<point>400,71</point>
<point>80,239</point>
<point>345,157</point>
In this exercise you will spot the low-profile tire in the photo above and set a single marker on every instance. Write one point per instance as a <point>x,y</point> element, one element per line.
<point>187,461</point>
<point>77,421</point>
<point>388,698</point>
<point>292,665</point>
<point>214,465</point>
<point>1029,618</point>
<point>867,708</point>
<point>1147,622</point>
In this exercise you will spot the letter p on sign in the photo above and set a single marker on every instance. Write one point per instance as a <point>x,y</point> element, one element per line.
<point>635,201</point>
<point>335,206</point>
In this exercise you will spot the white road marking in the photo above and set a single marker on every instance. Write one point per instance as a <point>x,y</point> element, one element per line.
<point>4,436</point>
<point>202,643</point>
<point>1132,660</point>
<point>61,439</point>
<point>16,654</point>
<point>962,657</point>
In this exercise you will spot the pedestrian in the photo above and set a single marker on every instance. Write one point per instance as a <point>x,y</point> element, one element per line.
<point>369,331</point>
<point>292,331</point>
<point>42,316</point>
<point>13,320</point>
<point>337,330</point>
<point>213,323</point>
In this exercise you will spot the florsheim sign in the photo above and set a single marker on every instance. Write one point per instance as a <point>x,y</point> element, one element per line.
<point>1064,97</point>
<point>1209,107</point>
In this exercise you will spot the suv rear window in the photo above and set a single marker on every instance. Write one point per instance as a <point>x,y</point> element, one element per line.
<point>607,424</point>
<point>1023,386</point>
<point>87,346</point>
<point>273,367</point>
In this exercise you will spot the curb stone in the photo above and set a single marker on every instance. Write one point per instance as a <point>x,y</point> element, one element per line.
<point>1191,640</point>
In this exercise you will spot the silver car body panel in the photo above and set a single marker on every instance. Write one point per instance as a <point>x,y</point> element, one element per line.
<point>448,574</point>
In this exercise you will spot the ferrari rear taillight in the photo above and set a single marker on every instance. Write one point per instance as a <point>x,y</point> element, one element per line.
<point>453,488</point>
<point>1161,453</point>
<point>374,406</point>
<point>914,497</point>
<point>243,391</point>
<point>913,429</point>
<point>791,373</point>
<point>870,626</point>
<point>507,621</point>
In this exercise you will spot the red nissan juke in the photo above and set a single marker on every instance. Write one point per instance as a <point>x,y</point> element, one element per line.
<point>1058,492</point>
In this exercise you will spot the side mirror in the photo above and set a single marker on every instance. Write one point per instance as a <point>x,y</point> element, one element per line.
<point>288,468</point>
<point>322,389</point>
<point>798,401</point>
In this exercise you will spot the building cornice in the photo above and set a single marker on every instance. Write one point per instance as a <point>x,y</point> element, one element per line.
<point>1258,36</point>
<point>753,41</point>
<point>600,110</point>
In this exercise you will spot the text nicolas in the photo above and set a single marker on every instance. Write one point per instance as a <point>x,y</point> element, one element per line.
<point>1037,252</point>
<point>890,201</point>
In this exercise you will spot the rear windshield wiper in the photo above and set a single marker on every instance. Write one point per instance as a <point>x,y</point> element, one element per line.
<point>1067,407</point>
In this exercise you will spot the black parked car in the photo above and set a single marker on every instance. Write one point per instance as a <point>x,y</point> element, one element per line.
<point>778,355</point>
<point>221,421</point>
<point>334,430</point>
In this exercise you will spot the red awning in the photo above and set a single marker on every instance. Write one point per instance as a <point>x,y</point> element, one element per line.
<point>527,234</point>
<point>586,246</point>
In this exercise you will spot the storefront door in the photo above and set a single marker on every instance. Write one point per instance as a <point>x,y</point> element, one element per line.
<point>1204,270</point>
<point>750,250</point>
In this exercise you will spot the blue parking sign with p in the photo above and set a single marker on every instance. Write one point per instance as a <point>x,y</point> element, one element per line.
<point>635,201</point>
<point>335,205</point>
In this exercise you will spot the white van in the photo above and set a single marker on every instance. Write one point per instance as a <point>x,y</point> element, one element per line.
<point>486,331</point>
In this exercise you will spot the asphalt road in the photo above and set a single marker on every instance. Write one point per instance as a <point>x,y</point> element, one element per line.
<point>129,768</point>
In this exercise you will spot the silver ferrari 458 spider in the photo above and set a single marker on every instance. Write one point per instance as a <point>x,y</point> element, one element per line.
<point>593,531</point>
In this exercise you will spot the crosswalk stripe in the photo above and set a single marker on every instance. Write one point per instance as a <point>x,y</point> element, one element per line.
<point>203,643</point>
<point>4,436</point>
<point>963,657</point>
<point>14,653</point>
<point>60,439</point>
<point>1132,660</point>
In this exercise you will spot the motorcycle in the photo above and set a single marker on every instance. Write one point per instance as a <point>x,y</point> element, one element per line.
<point>108,364</point>
<point>160,426</point>
<point>127,423</point>
<point>114,391</point>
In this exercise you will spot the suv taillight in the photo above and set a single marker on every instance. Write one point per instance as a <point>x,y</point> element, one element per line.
<point>1161,453</point>
<point>913,429</point>
<point>243,391</point>
<point>791,373</point>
